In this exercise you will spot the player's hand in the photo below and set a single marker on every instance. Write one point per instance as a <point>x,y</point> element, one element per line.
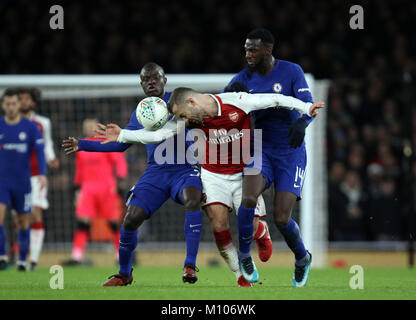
<point>43,181</point>
<point>314,108</point>
<point>70,145</point>
<point>109,133</point>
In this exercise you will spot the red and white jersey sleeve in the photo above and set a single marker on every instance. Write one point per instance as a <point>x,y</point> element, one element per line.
<point>44,124</point>
<point>251,102</point>
<point>34,166</point>
<point>47,135</point>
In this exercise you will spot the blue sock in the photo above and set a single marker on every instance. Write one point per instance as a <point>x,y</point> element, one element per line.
<point>2,241</point>
<point>23,240</point>
<point>291,234</point>
<point>245,231</point>
<point>128,242</point>
<point>192,229</point>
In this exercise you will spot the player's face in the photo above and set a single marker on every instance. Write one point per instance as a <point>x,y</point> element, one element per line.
<point>153,82</point>
<point>191,114</point>
<point>11,106</point>
<point>255,52</point>
<point>26,102</point>
<point>88,127</point>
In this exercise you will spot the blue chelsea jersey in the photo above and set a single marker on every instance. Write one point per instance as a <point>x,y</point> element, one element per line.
<point>286,78</point>
<point>17,142</point>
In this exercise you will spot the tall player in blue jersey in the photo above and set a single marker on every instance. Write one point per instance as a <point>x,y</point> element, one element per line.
<point>18,137</point>
<point>181,182</point>
<point>283,154</point>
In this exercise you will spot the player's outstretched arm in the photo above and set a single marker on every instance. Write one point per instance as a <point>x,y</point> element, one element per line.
<point>171,128</point>
<point>251,102</point>
<point>72,145</point>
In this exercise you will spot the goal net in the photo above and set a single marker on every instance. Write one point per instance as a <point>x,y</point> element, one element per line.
<point>69,99</point>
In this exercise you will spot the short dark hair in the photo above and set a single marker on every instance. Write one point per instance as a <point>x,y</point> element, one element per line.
<point>10,92</point>
<point>264,35</point>
<point>35,93</point>
<point>178,97</point>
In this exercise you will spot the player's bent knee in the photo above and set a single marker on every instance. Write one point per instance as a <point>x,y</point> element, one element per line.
<point>281,219</point>
<point>219,224</point>
<point>134,218</point>
<point>249,201</point>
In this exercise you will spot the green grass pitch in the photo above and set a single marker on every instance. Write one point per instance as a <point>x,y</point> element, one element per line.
<point>214,283</point>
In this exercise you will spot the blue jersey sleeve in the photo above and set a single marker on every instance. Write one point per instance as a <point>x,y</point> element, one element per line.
<point>96,146</point>
<point>301,90</point>
<point>39,145</point>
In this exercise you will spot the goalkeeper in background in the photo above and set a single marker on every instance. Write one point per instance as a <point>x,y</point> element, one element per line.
<point>96,176</point>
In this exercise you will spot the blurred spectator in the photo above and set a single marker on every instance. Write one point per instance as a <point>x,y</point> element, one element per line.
<point>116,37</point>
<point>346,209</point>
<point>384,211</point>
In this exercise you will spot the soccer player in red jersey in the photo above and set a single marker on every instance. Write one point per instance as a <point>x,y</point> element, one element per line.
<point>224,119</point>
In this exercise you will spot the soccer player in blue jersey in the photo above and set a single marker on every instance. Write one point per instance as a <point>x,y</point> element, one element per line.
<point>18,137</point>
<point>181,182</point>
<point>283,153</point>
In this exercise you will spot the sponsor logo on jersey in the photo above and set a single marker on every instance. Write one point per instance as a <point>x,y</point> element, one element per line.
<point>22,136</point>
<point>277,87</point>
<point>233,116</point>
<point>230,136</point>
<point>304,89</point>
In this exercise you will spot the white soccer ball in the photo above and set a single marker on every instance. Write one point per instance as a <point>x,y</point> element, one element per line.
<point>152,113</point>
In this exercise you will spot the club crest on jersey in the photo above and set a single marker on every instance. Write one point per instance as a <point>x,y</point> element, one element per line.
<point>22,136</point>
<point>233,116</point>
<point>277,87</point>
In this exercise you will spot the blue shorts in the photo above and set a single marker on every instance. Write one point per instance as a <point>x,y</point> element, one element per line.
<point>284,168</point>
<point>19,199</point>
<point>156,185</point>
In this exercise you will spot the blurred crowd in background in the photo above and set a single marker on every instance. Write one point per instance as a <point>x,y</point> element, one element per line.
<point>371,119</point>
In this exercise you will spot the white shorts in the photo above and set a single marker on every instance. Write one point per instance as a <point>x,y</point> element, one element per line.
<point>39,197</point>
<point>226,189</point>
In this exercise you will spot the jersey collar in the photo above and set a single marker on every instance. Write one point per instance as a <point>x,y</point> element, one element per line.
<point>219,103</point>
